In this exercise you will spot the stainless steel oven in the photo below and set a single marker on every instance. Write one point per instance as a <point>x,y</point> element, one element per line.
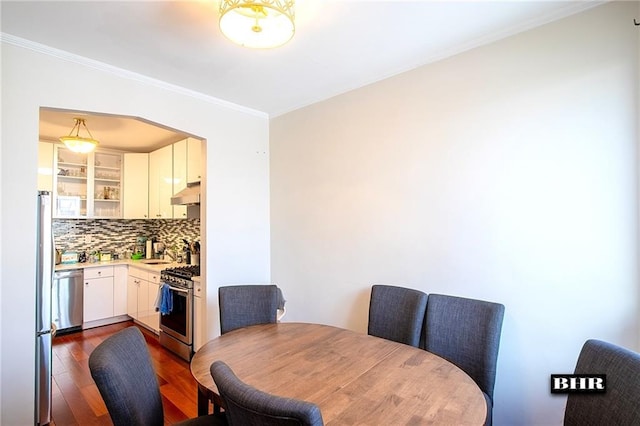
<point>176,327</point>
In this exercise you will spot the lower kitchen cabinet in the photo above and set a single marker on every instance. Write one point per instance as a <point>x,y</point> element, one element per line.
<point>199,315</point>
<point>142,291</point>
<point>98,293</point>
<point>119,290</point>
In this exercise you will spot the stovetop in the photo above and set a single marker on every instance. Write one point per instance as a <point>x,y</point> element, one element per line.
<point>187,271</point>
<point>180,275</point>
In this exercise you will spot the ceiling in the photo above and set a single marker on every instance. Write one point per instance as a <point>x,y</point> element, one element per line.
<point>123,133</point>
<point>339,45</point>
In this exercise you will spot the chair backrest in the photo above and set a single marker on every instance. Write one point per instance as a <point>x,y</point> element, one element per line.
<point>122,369</point>
<point>396,313</point>
<point>245,305</point>
<point>248,406</point>
<point>467,333</point>
<point>620,404</point>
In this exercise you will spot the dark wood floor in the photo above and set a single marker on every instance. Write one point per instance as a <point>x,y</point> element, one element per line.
<point>76,400</point>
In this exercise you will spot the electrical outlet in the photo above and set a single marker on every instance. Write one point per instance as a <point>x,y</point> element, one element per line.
<point>87,239</point>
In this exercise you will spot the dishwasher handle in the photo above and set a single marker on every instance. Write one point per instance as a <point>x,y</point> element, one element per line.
<point>72,273</point>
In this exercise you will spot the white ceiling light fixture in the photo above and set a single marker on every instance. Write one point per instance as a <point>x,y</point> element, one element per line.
<point>77,143</point>
<point>259,24</point>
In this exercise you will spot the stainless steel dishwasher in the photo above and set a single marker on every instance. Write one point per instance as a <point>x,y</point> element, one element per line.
<point>66,300</point>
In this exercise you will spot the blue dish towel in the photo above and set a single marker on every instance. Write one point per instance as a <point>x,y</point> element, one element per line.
<point>165,305</point>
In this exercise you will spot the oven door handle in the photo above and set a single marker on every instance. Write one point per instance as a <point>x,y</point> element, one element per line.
<point>181,290</point>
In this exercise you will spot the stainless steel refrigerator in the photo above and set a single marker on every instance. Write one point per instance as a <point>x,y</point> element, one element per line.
<point>43,332</point>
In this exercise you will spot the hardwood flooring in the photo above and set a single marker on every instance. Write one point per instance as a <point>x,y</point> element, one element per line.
<point>75,397</point>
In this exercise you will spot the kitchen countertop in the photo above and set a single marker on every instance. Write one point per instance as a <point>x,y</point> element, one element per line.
<point>128,262</point>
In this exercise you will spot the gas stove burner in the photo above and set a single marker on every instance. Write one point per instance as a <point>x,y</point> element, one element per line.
<point>183,271</point>
<point>180,275</point>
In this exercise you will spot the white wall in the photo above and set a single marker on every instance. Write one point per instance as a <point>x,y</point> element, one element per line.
<point>236,225</point>
<point>507,173</point>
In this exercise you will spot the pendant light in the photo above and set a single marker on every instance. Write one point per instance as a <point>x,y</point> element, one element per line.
<point>77,143</point>
<point>258,24</point>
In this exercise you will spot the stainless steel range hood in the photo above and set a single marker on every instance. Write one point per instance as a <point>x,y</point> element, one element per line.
<point>188,196</point>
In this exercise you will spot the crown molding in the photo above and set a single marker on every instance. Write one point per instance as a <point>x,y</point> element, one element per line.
<point>122,73</point>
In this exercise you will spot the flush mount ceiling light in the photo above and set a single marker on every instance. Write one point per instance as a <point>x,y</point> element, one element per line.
<point>258,24</point>
<point>77,143</point>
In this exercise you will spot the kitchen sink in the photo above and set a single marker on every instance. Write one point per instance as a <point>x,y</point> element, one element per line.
<point>155,262</point>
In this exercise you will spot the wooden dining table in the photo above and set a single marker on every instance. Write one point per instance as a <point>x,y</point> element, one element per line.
<point>354,378</point>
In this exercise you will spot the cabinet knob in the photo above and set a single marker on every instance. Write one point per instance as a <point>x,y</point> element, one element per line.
<point>86,283</point>
<point>99,273</point>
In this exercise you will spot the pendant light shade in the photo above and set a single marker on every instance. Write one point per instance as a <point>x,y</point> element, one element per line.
<point>258,24</point>
<point>77,143</point>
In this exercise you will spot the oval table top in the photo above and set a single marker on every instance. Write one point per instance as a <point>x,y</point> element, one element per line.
<point>354,378</point>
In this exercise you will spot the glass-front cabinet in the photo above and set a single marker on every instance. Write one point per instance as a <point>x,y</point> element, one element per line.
<point>87,185</point>
<point>106,184</point>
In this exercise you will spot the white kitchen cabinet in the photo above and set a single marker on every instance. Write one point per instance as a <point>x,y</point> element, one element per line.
<point>179,175</point>
<point>107,178</point>
<point>194,160</point>
<point>136,186</point>
<point>98,293</point>
<point>153,318</point>
<point>142,291</point>
<point>133,284</point>
<point>199,315</point>
<point>120,290</point>
<point>87,185</point>
<point>45,166</point>
<point>161,183</point>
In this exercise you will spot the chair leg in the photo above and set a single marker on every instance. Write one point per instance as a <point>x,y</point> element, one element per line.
<point>203,401</point>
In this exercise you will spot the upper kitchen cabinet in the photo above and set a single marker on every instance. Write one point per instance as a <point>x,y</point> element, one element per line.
<point>135,197</point>
<point>179,175</point>
<point>107,178</point>
<point>87,185</point>
<point>161,183</point>
<point>194,160</point>
<point>45,166</point>
<point>170,169</point>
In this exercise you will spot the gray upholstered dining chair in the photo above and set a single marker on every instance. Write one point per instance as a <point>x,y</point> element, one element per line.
<point>122,369</point>
<point>245,305</point>
<point>248,406</point>
<point>620,404</point>
<point>396,313</point>
<point>467,333</point>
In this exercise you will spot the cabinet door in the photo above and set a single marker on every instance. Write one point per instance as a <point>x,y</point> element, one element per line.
<point>107,176</point>
<point>154,317</point>
<point>98,299</point>
<point>136,186</point>
<point>120,290</point>
<point>45,166</point>
<point>161,183</point>
<point>133,286</point>
<point>71,184</point>
<point>179,175</point>
<point>199,314</point>
<point>198,322</point>
<point>143,299</point>
<point>194,160</point>
<point>147,314</point>
<point>154,288</point>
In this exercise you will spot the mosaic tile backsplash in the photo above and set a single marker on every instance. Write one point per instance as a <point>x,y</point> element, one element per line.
<point>118,235</point>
